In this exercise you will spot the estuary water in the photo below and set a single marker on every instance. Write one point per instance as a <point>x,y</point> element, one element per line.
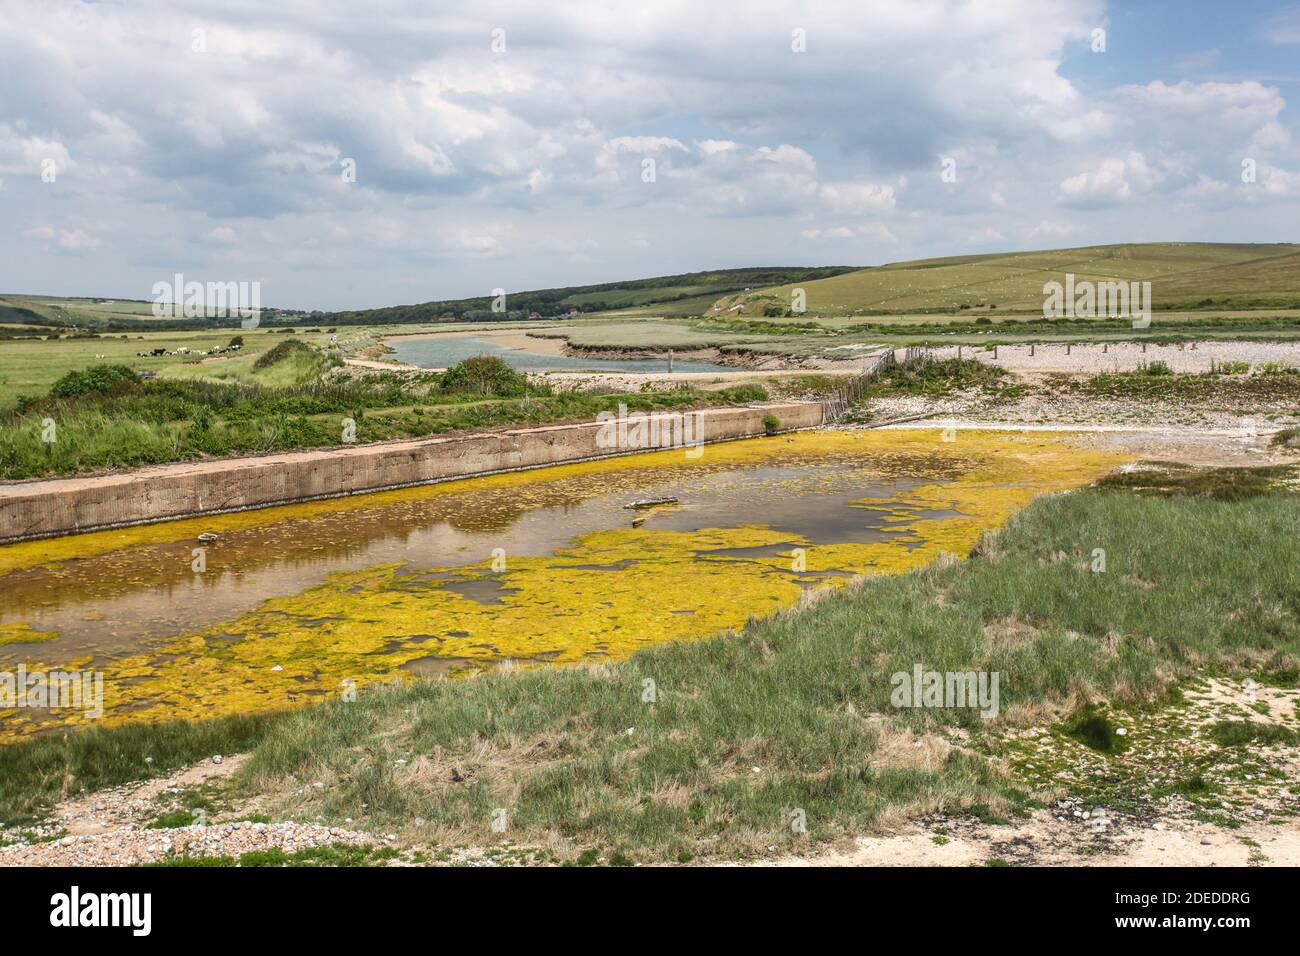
<point>444,351</point>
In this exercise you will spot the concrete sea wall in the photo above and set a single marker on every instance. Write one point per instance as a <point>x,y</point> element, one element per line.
<point>36,509</point>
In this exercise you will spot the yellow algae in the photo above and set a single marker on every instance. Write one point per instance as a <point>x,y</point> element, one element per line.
<point>27,554</point>
<point>22,633</point>
<point>602,595</point>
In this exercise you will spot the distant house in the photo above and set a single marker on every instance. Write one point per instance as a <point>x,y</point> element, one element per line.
<point>534,315</point>
<point>572,312</point>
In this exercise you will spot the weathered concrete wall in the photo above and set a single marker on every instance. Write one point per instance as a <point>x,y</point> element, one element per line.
<point>38,509</point>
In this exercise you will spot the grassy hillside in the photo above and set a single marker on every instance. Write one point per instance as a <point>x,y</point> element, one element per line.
<point>39,313</point>
<point>703,287</point>
<point>1182,276</point>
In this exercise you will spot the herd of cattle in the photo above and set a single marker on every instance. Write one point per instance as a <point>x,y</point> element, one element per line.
<point>184,350</point>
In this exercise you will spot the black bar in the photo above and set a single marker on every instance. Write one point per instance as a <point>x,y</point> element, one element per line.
<point>943,906</point>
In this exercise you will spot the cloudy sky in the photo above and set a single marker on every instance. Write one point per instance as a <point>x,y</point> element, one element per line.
<point>544,143</point>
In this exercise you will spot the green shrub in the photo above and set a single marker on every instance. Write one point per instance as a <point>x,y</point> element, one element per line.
<point>101,379</point>
<point>284,351</point>
<point>484,375</point>
<point>937,379</point>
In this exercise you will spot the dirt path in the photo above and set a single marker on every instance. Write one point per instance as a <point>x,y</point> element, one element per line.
<point>384,366</point>
<point>1045,840</point>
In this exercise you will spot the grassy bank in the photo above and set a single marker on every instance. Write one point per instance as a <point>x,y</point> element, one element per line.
<point>105,417</point>
<point>794,713</point>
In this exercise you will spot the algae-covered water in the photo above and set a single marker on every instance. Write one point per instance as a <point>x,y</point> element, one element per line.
<point>540,567</point>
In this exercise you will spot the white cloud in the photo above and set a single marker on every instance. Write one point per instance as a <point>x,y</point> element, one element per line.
<point>476,169</point>
<point>1052,229</point>
<point>872,230</point>
<point>1113,180</point>
<point>64,240</point>
<point>856,199</point>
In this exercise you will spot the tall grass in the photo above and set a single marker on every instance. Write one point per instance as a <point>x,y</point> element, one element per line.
<point>795,712</point>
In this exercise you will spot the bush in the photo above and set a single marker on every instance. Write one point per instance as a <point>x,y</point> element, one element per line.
<point>96,379</point>
<point>1157,367</point>
<point>484,375</point>
<point>285,350</point>
<point>937,378</point>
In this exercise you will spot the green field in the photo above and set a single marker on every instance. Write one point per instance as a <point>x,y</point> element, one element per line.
<point>29,366</point>
<point>1182,276</point>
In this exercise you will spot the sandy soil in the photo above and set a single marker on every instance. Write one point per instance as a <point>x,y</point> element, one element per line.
<point>1046,840</point>
<point>384,366</point>
<point>513,338</point>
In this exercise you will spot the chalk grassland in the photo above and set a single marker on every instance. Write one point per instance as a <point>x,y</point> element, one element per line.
<point>794,711</point>
<point>70,311</point>
<point>1183,276</point>
<point>50,311</point>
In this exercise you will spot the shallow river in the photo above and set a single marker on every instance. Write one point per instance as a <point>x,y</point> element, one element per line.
<point>540,567</point>
<point>444,351</point>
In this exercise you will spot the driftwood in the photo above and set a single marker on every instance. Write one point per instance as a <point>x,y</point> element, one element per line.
<point>650,502</point>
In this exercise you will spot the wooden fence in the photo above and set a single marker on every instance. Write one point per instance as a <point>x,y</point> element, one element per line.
<point>851,392</point>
